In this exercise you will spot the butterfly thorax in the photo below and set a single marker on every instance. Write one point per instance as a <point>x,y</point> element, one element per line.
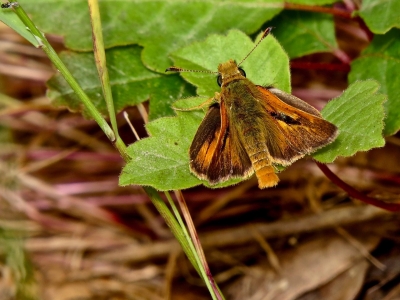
<point>229,72</point>
<point>245,113</point>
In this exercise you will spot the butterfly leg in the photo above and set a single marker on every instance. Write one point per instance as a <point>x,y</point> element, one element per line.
<point>206,103</point>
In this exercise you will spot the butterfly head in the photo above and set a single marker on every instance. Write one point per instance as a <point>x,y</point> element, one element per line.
<point>228,72</point>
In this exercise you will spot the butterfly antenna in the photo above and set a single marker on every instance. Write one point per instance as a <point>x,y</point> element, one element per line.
<point>177,69</point>
<point>266,32</point>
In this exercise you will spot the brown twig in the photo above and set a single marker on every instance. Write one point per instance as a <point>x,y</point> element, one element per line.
<point>326,10</point>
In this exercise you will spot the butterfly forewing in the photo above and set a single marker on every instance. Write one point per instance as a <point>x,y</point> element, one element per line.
<point>215,154</point>
<point>293,101</point>
<point>293,132</point>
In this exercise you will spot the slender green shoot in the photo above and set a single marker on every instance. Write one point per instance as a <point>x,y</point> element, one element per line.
<point>100,60</point>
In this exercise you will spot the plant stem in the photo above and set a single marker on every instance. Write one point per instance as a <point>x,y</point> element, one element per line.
<point>199,266</point>
<point>206,272</point>
<point>101,63</point>
<point>172,224</point>
<point>354,193</point>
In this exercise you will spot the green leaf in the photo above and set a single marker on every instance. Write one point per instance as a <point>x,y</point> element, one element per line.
<point>358,113</point>
<point>380,15</point>
<point>302,33</point>
<point>260,68</point>
<point>8,17</point>
<point>160,26</point>
<point>162,160</point>
<point>381,61</point>
<point>130,80</point>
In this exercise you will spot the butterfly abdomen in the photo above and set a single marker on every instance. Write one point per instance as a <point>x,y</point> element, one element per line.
<point>253,135</point>
<point>265,173</point>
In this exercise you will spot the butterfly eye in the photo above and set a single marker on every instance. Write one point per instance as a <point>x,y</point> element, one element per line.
<point>242,72</point>
<point>219,80</point>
